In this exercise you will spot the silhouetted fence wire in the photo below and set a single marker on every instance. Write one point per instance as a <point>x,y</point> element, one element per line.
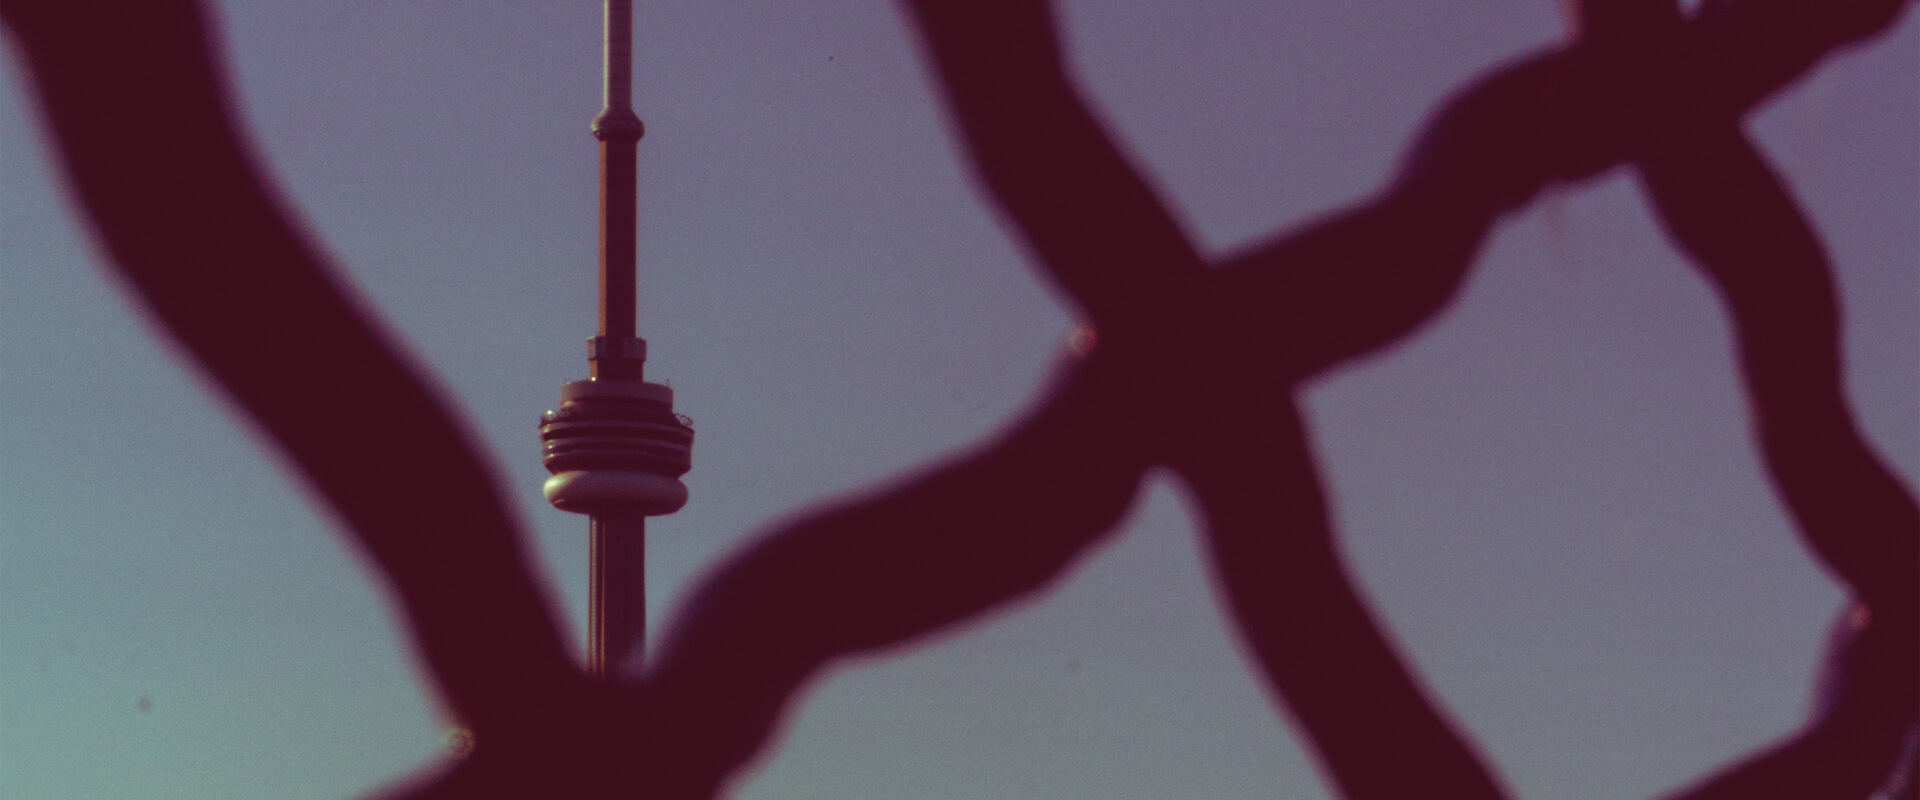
<point>1640,84</point>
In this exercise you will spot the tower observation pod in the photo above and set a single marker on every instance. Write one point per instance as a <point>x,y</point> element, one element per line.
<point>615,447</point>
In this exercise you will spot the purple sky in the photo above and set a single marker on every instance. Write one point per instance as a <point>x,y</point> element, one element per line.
<point>1549,495</point>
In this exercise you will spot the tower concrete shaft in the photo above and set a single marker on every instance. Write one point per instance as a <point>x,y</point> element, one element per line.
<point>616,593</point>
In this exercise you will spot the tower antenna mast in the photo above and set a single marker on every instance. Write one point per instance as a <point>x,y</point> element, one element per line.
<point>615,447</point>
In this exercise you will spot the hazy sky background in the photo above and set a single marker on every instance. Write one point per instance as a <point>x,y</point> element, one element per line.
<point>1549,494</point>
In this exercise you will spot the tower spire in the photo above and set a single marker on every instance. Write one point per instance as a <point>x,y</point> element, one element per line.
<point>618,352</point>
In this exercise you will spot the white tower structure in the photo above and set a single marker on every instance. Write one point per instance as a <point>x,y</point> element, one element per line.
<point>615,447</point>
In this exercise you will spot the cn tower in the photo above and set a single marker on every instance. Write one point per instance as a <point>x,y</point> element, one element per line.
<point>615,447</point>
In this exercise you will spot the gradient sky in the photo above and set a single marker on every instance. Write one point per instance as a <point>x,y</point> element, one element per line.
<point>1549,494</point>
